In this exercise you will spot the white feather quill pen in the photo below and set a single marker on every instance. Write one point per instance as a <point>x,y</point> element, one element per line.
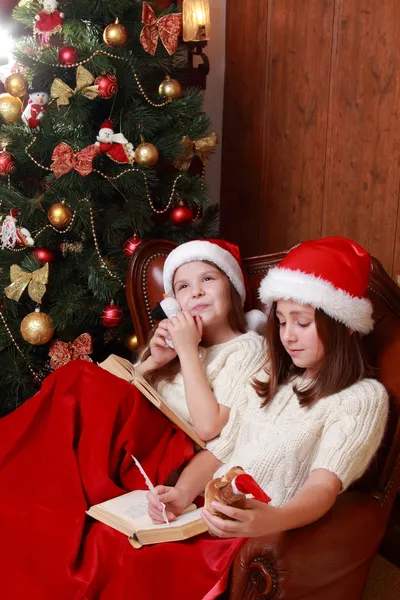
<point>151,487</point>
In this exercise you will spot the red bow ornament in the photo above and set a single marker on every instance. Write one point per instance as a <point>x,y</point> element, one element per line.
<point>62,353</point>
<point>64,160</point>
<point>168,28</point>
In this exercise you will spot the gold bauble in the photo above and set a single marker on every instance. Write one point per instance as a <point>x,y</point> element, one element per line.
<point>115,35</point>
<point>170,88</point>
<point>16,85</point>
<point>131,342</point>
<point>37,328</point>
<point>10,108</point>
<point>60,215</point>
<point>146,154</point>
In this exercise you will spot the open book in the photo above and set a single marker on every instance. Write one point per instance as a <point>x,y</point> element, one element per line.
<point>128,514</point>
<point>121,367</point>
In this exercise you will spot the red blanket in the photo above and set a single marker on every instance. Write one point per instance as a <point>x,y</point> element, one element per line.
<point>67,448</point>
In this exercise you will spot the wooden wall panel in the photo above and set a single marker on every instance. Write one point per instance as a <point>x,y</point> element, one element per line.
<point>312,124</point>
<point>299,80</point>
<point>362,172</point>
<point>245,106</point>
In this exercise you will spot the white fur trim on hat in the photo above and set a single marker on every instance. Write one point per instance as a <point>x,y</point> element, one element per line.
<point>203,250</point>
<point>256,320</point>
<point>285,284</point>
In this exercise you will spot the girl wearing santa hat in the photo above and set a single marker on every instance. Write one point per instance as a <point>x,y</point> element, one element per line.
<point>315,417</point>
<point>202,374</point>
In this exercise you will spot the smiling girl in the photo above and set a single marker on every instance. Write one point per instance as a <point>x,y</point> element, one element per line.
<point>203,384</point>
<point>315,418</point>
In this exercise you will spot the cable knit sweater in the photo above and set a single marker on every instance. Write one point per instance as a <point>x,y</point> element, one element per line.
<point>282,443</point>
<point>229,368</point>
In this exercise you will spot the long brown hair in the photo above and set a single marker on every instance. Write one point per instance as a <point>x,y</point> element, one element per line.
<point>169,371</point>
<point>344,362</point>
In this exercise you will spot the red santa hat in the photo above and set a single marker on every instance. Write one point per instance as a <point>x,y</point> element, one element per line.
<point>107,124</point>
<point>225,256</point>
<point>330,274</point>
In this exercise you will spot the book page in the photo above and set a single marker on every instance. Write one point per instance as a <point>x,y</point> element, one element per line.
<point>128,506</point>
<point>145,523</point>
<point>121,367</point>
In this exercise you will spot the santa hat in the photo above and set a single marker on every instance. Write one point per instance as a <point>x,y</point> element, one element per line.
<point>225,256</point>
<point>330,274</point>
<point>107,124</point>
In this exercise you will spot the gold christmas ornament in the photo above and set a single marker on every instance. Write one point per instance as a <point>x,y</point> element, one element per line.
<point>170,88</point>
<point>131,342</point>
<point>37,328</point>
<point>203,148</point>
<point>62,92</point>
<point>146,154</point>
<point>16,85</point>
<point>35,281</point>
<point>10,108</point>
<point>115,35</point>
<point>60,215</point>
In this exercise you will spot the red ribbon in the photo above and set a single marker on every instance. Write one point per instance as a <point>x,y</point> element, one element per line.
<point>64,160</point>
<point>167,28</point>
<point>62,353</point>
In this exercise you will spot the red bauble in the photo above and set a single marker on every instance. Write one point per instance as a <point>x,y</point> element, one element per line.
<point>45,255</point>
<point>131,245</point>
<point>107,85</point>
<point>7,163</point>
<point>181,215</point>
<point>67,55</point>
<point>112,315</point>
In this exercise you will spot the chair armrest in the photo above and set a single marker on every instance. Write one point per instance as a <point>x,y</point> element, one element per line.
<point>305,560</point>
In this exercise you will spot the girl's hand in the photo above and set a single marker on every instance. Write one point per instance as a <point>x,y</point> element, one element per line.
<point>160,351</point>
<point>185,331</point>
<point>174,500</point>
<point>255,520</point>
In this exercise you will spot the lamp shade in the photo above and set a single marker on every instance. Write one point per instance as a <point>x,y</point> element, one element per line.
<point>196,20</point>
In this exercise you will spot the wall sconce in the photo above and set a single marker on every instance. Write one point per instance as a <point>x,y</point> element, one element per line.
<point>196,30</point>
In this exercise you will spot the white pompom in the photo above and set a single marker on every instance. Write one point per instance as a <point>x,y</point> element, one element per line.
<point>256,320</point>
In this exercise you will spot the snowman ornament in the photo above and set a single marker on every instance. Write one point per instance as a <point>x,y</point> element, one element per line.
<point>48,22</point>
<point>115,145</point>
<point>37,104</point>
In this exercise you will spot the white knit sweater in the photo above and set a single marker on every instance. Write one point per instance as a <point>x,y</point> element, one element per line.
<point>229,368</point>
<point>282,443</point>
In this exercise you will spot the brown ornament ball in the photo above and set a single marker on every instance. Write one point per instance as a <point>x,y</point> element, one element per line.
<point>112,315</point>
<point>67,55</point>
<point>60,215</point>
<point>7,163</point>
<point>44,255</point>
<point>107,85</point>
<point>181,215</point>
<point>131,342</point>
<point>37,328</point>
<point>170,88</point>
<point>10,108</point>
<point>16,85</point>
<point>131,245</point>
<point>115,35</point>
<point>146,154</point>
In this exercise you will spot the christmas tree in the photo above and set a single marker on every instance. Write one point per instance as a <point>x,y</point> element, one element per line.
<point>102,144</point>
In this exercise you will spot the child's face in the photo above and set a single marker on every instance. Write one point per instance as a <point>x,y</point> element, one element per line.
<point>203,290</point>
<point>299,336</point>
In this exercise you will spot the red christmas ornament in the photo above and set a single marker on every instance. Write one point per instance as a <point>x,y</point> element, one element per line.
<point>181,215</point>
<point>112,315</point>
<point>7,163</point>
<point>67,55</point>
<point>107,85</point>
<point>131,245</point>
<point>45,255</point>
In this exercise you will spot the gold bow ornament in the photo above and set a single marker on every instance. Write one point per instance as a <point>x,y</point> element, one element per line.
<point>36,282</point>
<point>62,92</point>
<point>203,148</point>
